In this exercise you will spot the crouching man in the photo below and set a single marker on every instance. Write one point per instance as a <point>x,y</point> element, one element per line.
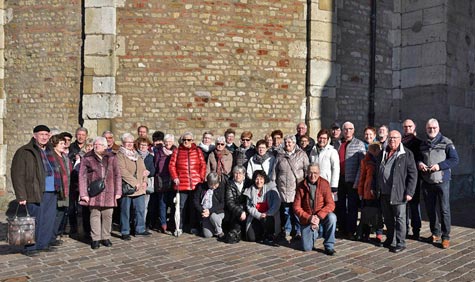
<point>314,206</point>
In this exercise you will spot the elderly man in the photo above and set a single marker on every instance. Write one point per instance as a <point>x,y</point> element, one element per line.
<point>396,183</point>
<point>314,206</point>
<point>383,131</point>
<point>413,213</point>
<point>335,133</point>
<point>33,180</point>
<point>350,151</point>
<point>142,131</point>
<point>438,157</point>
<point>111,145</point>
<point>302,131</point>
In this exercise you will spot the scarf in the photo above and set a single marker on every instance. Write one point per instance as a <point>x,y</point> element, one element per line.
<point>407,138</point>
<point>219,162</point>
<point>64,167</point>
<point>261,159</point>
<point>207,201</point>
<point>143,154</point>
<point>130,154</point>
<point>206,148</point>
<point>55,169</point>
<point>166,151</point>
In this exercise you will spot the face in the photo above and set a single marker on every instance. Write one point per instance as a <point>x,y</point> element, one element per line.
<point>142,132</point>
<point>239,176</point>
<point>336,132</point>
<point>276,140</point>
<point>382,133</point>
<point>110,140</point>
<point>207,138</point>
<point>213,186</point>
<point>168,144</point>
<point>67,143</point>
<point>269,141</point>
<point>301,129</point>
<point>289,145</point>
<point>187,141</point>
<point>322,140</point>
<point>408,127</point>
<point>143,147</point>
<point>99,148</point>
<point>60,147</point>
<point>89,147</point>
<point>246,142</point>
<point>259,181</point>
<point>348,131</point>
<point>394,139</point>
<point>261,149</point>
<point>81,137</point>
<point>230,138</point>
<point>369,136</point>
<point>128,144</point>
<point>432,129</point>
<point>313,174</point>
<point>304,142</point>
<point>41,137</point>
<point>220,146</point>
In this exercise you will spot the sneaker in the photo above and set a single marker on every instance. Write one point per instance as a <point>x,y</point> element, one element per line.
<point>126,237</point>
<point>287,237</point>
<point>145,233</point>
<point>31,253</point>
<point>178,233</point>
<point>329,252</point>
<point>445,243</point>
<point>57,242</point>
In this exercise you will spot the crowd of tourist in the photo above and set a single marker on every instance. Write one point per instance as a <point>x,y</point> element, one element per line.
<point>282,188</point>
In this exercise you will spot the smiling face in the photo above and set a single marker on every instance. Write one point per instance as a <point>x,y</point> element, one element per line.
<point>289,145</point>
<point>322,140</point>
<point>41,138</point>
<point>432,129</point>
<point>187,140</point>
<point>259,182</point>
<point>81,136</point>
<point>394,140</point>
<point>348,131</point>
<point>313,173</point>
<point>129,143</point>
<point>369,136</point>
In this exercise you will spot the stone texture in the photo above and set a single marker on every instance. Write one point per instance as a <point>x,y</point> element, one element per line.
<point>99,44</point>
<point>103,85</point>
<point>100,20</point>
<point>102,106</point>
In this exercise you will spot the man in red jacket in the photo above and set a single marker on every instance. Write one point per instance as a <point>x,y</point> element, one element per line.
<point>314,206</point>
<point>187,169</point>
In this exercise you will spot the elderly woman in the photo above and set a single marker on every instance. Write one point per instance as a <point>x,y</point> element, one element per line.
<point>289,170</point>
<point>220,160</point>
<point>206,145</point>
<point>163,181</point>
<point>245,151</point>
<point>263,202</point>
<point>304,144</point>
<point>262,160</point>
<point>209,202</point>
<point>236,204</point>
<point>99,164</point>
<point>134,173</point>
<point>142,144</point>
<point>187,169</point>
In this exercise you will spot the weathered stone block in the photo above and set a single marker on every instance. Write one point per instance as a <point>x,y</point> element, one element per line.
<point>434,15</point>
<point>3,159</point>
<point>423,76</point>
<point>322,14</point>
<point>101,66</point>
<point>434,53</point>
<point>99,3</point>
<point>412,5</point>
<point>2,37</point>
<point>298,49</point>
<point>99,106</point>
<point>410,18</point>
<point>396,59</point>
<point>315,105</point>
<point>120,46</point>
<point>396,78</point>
<point>430,33</point>
<point>326,5</point>
<point>91,126</point>
<point>103,85</point>
<point>323,51</point>
<point>323,74</point>
<point>100,20</point>
<point>2,108</point>
<point>323,31</point>
<point>411,56</point>
<point>99,44</point>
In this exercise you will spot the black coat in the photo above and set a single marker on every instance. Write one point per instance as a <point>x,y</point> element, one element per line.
<point>218,198</point>
<point>235,200</point>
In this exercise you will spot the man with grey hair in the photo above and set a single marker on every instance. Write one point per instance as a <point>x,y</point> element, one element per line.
<point>111,145</point>
<point>350,151</point>
<point>438,157</point>
<point>314,206</point>
<point>302,130</point>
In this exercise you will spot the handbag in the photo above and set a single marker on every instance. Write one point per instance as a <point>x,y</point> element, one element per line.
<point>127,189</point>
<point>21,230</point>
<point>97,186</point>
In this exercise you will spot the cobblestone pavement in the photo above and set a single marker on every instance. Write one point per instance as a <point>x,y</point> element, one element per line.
<point>191,258</point>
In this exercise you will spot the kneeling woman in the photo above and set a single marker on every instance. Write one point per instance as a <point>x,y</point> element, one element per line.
<point>263,203</point>
<point>209,201</point>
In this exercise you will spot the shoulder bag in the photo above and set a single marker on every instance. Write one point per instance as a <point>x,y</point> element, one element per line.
<point>97,186</point>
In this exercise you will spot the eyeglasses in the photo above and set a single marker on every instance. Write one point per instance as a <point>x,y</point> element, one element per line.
<point>219,144</point>
<point>144,145</point>
<point>187,140</point>
<point>247,140</point>
<point>393,138</point>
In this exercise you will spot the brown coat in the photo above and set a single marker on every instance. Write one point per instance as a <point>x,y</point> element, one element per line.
<point>367,171</point>
<point>226,162</point>
<point>93,168</point>
<point>323,203</point>
<point>132,172</point>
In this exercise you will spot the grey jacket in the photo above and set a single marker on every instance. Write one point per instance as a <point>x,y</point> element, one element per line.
<point>270,195</point>
<point>289,170</point>
<point>355,152</point>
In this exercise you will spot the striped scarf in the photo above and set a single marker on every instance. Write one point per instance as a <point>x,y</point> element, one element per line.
<point>53,163</point>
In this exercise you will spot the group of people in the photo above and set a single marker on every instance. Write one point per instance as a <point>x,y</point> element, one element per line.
<point>288,187</point>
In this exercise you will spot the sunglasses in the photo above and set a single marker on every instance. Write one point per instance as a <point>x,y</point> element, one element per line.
<point>245,140</point>
<point>187,140</point>
<point>219,144</point>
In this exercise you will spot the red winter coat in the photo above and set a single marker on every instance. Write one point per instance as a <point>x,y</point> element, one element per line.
<point>323,203</point>
<point>366,183</point>
<point>189,166</point>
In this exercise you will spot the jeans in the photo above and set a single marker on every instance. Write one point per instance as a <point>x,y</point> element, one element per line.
<point>139,205</point>
<point>326,230</point>
<point>413,212</point>
<point>289,218</point>
<point>188,214</point>
<point>165,200</point>
<point>60,221</point>
<point>73,211</point>
<point>395,220</point>
<point>437,200</point>
<point>45,213</point>
<point>212,224</point>
<point>347,207</point>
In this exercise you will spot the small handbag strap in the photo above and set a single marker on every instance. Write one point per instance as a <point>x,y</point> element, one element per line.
<point>107,167</point>
<point>18,206</point>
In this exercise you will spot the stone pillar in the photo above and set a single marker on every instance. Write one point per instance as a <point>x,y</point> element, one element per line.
<point>323,68</point>
<point>3,145</point>
<point>101,48</point>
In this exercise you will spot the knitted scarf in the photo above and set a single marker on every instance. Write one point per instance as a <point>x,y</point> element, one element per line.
<point>130,154</point>
<point>56,172</point>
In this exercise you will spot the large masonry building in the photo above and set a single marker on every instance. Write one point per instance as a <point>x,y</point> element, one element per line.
<point>256,65</point>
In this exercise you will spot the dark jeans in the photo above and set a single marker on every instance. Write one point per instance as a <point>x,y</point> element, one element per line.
<point>60,222</point>
<point>165,201</point>
<point>73,211</point>
<point>260,229</point>
<point>45,213</point>
<point>395,220</point>
<point>347,207</point>
<point>188,214</point>
<point>437,200</point>
<point>413,212</point>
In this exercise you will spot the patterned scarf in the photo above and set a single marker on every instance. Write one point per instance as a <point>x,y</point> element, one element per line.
<point>64,170</point>
<point>54,165</point>
<point>130,154</point>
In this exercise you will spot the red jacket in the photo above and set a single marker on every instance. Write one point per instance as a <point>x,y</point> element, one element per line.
<point>367,170</point>
<point>323,203</point>
<point>189,166</point>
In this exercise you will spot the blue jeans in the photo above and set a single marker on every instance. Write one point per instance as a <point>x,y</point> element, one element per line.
<point>165,200</point>
<point>413,212</point>
<point>347,207</point>
<point>45,213</point>
<point>326,230</point>
<point>139,205</point>
<point>289,218</point>
<point>437,199</point>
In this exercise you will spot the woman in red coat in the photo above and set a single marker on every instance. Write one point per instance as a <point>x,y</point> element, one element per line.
<point>187,169</point>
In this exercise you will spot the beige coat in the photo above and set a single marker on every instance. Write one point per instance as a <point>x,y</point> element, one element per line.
<point>127,169</point>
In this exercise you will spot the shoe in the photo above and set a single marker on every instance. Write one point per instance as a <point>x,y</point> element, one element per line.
<point>397,249</point>
<point>379,240</point>
<point>329,252</point>
<point>287,237</point>
<point>56,243</point>
<point>126,237</point>
<point>106,243</point>
<point>416,235</point>
<point>445,243</point>
<point>95,245</point>
<point>433,239</point>
<point>47,249</point>
<point>178,233</point>
<point>31,253</point>
<point>145,233</point>
<point>298,237</point>
<point>194,231</point>
<point>220,236</point>
<point>387,244</point>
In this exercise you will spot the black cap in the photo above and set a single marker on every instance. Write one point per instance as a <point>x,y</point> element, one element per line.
<point>67,134</point>
<point>158,136</point>
<point>335,125</point>
<point>40,127</point>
